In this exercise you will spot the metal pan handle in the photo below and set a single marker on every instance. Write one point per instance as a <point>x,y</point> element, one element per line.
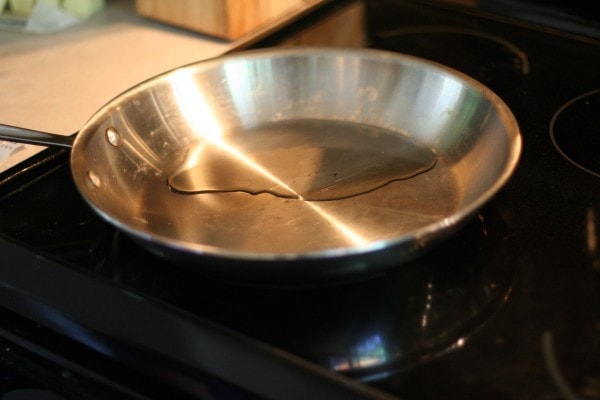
<point>22,135</point>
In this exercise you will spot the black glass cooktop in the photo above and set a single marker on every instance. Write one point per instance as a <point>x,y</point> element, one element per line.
<point>508,307</point>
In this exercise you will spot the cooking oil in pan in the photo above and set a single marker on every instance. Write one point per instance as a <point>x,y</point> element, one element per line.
<point>312,160</point>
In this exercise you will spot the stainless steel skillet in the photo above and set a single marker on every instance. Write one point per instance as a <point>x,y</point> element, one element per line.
<point>294,165</point>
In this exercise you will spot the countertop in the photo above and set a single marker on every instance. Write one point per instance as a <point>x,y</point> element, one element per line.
<point>55,82</point>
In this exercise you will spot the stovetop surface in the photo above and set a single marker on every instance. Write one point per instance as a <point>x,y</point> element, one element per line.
<point>508,307</point>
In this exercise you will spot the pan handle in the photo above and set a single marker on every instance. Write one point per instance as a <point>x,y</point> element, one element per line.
<point>22,135</point>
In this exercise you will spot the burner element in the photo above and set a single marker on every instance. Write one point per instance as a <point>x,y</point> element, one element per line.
<point>575,131</point>
<point>492,60</point>
<point>367,329</point>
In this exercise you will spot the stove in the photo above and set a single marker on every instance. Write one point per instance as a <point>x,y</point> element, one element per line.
<point>507,307</point>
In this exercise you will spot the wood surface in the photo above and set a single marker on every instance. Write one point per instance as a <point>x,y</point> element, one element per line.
<point>228,19</point>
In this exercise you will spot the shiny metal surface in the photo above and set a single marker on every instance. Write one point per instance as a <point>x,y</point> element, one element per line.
<point>311,160</point>
<point>30,136</point>
<point>122,159</point>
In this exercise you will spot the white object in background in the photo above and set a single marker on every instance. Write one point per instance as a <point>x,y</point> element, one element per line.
<point>48,18</point>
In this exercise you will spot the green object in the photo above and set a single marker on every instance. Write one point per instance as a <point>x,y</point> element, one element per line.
<point>83,8</point>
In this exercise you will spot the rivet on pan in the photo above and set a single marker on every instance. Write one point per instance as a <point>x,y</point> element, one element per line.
<point>93,179</point>
<point>113,137</point>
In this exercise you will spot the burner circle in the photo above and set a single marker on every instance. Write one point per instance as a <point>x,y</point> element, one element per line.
<point>575,131</point>
<point>367,329</point>
<point>492,60</point>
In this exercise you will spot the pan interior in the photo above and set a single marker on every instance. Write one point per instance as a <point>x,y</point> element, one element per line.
<point>416,146</point>
<point>305,160</point>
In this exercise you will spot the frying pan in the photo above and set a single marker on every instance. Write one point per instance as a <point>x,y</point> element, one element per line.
<point>199,163</point>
